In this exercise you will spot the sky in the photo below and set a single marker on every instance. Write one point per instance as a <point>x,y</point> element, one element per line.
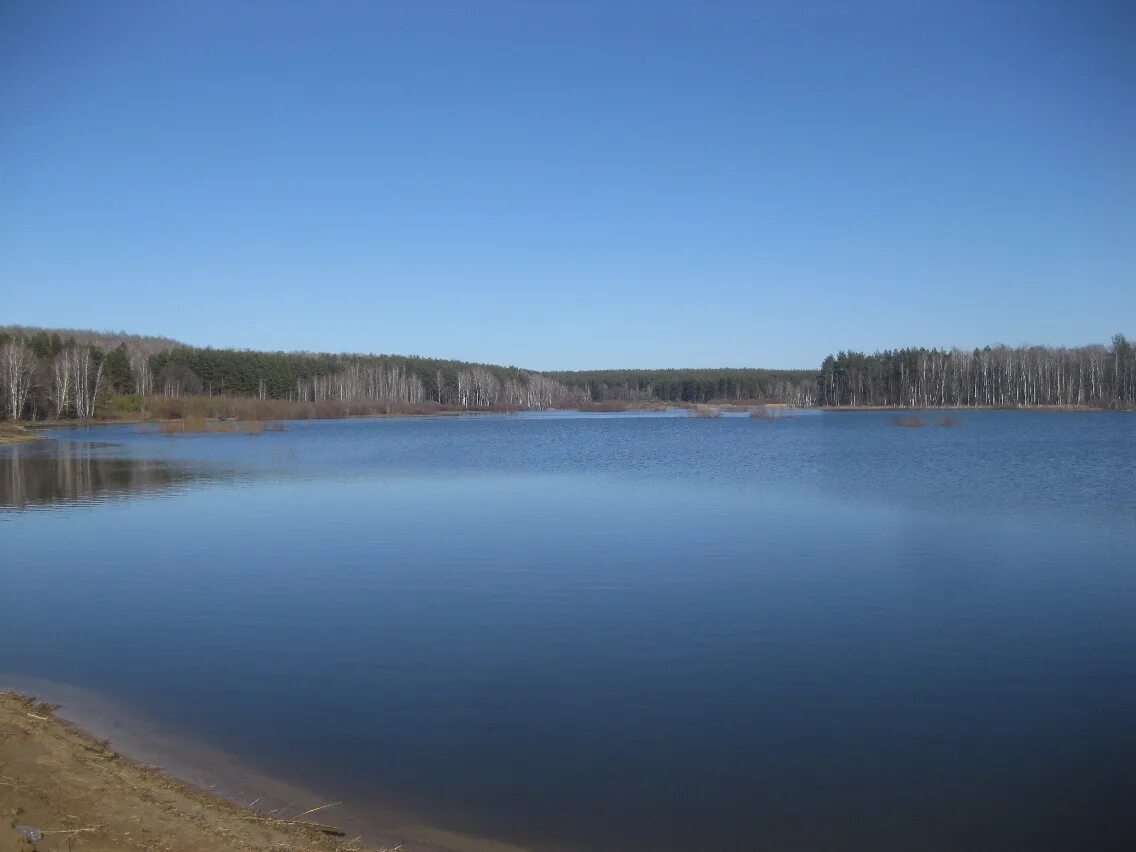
<point>565,185</point>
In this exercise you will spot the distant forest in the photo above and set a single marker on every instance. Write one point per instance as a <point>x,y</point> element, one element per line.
<point>76,374</point>
<point>795,387</point>
<point>1000,377</point>
<point>57,374</point>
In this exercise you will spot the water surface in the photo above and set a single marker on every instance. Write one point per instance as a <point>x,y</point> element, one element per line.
<point>616,632</point>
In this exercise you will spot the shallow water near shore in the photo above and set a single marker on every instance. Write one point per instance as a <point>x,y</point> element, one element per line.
<point>634,631</point>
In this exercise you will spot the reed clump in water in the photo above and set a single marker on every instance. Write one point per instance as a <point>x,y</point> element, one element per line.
<point>909,421</point>
<point>606,405</point>
<point>621,405</point>
<point>15,433</point>
<point>703,411</point>
<point>198,425</point>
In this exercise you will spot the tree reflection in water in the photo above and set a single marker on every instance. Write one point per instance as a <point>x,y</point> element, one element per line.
<point>53,472</point>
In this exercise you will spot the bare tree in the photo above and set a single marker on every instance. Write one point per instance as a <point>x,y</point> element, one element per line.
<point>17,376</point>
<point>89,364</point>
<point>63,382</point>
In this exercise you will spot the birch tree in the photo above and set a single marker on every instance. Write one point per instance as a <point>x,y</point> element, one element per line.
<point>17,375</point>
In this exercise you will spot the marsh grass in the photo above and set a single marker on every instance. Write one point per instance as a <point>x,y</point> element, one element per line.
<point>197,414</point>
<point>198,425</point>
<point>616,405</point>
<point>15,433</point>
<point>246,408</point>
<point>606,405</point>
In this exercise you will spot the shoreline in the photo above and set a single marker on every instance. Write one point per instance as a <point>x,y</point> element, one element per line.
<point>71,755</point>
<point>29,430</point>
<point>61,786</point>
<point>25,432</point>
<point>1051,408</point>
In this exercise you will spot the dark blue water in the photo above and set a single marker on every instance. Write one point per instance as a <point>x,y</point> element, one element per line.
<point>617,632</point>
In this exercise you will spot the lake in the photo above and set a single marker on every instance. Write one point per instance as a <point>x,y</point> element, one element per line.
<point>615,632</point>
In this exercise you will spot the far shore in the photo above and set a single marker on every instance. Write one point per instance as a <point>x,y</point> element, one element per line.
<point>22,432</point>
<point>33,430</point>
<point>86,772</point>
<point>1073,408</point>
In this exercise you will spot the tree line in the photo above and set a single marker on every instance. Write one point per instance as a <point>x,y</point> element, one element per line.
<point>795,387</point>
<point>75,374</point>
<point>1000,377</point>
<point>319,377</point>
<point>64,374</point>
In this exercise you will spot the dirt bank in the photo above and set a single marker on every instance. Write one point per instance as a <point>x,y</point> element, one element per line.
<point>58,777</point>
<point>61,790</point>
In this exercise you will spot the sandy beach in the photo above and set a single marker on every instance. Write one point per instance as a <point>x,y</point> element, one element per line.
<point>61,789</point>
<point>117,783</point>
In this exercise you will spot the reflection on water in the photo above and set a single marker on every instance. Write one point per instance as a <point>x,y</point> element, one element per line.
<point>48,473</point>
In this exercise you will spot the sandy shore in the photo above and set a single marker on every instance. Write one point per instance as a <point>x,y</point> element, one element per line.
<point>60,789</point>
<point>99,787</point>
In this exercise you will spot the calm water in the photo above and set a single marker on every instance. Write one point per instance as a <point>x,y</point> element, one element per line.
<point>617,632</point>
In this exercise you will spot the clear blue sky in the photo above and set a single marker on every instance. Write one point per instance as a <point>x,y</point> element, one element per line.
<point>571,184</point>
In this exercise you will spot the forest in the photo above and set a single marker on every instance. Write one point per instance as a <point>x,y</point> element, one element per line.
<point>794,387</point>
<point>50,374</point>
<point>995,377</point>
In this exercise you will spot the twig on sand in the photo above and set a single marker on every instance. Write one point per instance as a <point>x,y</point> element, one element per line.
<point>41,718</point>
<point>313,810</point>
<point>318,826</point>
<point>279,812</point>
<point>69,830</point>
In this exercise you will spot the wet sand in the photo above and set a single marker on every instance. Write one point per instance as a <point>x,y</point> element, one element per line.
<point>105,778</point>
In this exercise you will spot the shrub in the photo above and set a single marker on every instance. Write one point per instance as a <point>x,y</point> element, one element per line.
<point>126,403</point>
